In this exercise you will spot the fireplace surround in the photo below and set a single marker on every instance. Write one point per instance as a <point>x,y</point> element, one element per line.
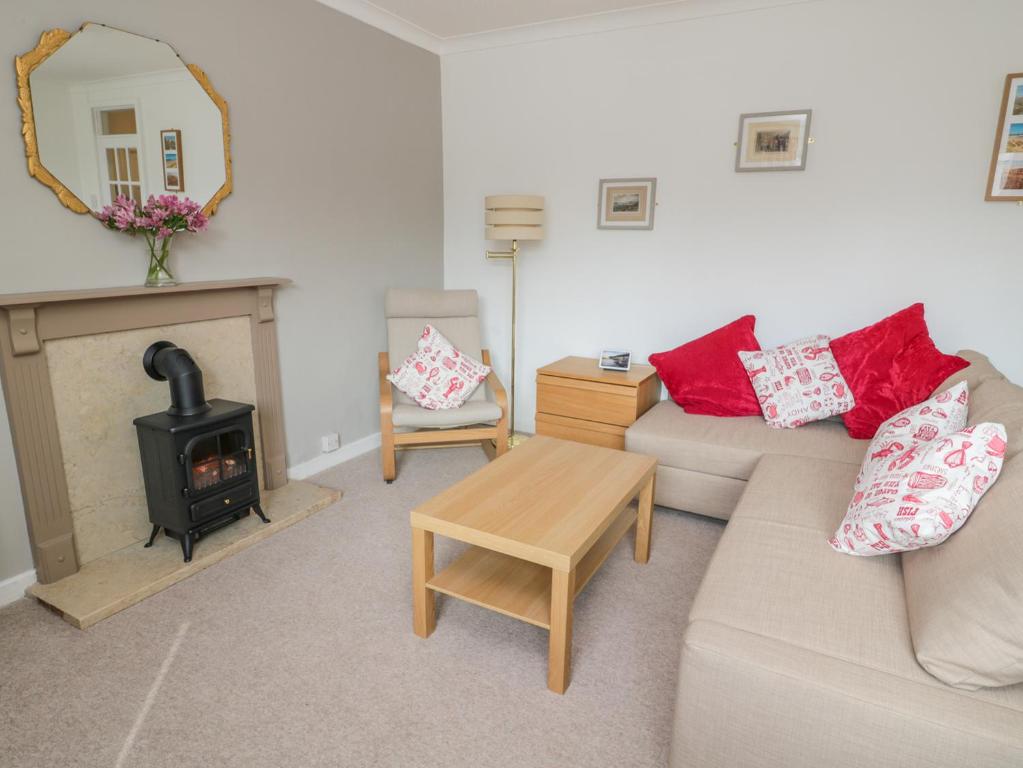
<point>29,322</point>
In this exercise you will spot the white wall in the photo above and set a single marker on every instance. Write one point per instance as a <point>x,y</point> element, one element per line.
<point>890,210</point>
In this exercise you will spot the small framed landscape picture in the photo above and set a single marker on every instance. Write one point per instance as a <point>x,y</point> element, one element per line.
<point>173,163</point>
<point>1005,179</point>
<point>615,360</point>
<point>773,141</point>
<point>626,203</point>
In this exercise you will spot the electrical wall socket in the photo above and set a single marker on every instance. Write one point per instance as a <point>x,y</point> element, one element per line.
<point>330,442</point>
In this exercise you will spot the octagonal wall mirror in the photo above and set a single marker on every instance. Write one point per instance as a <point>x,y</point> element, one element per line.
<point>107,113</point>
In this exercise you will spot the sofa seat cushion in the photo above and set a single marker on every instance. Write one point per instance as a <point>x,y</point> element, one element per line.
<point>804,656</point>
<point>731,447</point>
<point>473,412</point>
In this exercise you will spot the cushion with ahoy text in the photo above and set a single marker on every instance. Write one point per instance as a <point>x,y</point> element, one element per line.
<point>944,413</point>
<point>437,376</point>
<point>890,366</point>
<point>918,494</point>
<point>798,383</point>
<point>705,376</point>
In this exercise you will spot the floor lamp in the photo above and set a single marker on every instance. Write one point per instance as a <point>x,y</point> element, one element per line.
<point>513,217</point>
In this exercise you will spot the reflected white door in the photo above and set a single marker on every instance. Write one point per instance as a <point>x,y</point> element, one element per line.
<point>119,145</point>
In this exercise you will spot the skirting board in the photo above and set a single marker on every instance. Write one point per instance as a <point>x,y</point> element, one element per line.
<point>340,456</point>
<point>14,588</point>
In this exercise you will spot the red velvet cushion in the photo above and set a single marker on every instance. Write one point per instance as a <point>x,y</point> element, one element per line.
<point>890,366</point>
<point>706,376</point>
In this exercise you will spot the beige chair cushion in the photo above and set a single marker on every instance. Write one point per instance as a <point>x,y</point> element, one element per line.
<point>965,597</point>
<point>473,412</point>
<point>424,302</point>
<point>798,656</point>
<point>731,447</point>
<point>453,313</point>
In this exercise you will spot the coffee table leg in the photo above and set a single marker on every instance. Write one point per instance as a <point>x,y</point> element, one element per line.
<point>559,661</point>
<point>644,520</point>
<point>424,614</point>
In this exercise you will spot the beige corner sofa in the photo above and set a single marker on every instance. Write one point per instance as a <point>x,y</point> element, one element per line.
<point>797,656</point>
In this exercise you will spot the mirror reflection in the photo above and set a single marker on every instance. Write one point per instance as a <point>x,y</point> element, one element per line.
<point>120,114</point>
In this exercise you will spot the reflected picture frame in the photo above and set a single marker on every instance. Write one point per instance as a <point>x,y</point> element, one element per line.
<point>626,203</point>
<point>1005,176</point>
<point>173,160</point>
<point>773,141</point>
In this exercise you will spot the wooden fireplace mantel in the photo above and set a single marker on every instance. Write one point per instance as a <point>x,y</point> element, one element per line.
<point>29,320</point>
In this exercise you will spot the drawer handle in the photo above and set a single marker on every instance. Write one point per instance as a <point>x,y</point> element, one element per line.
<point>227,501</point>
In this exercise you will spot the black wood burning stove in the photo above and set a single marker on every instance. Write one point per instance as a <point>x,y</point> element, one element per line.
<point>198,457</point>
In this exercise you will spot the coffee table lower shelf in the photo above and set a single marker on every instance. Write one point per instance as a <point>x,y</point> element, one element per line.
<point>518,588</point>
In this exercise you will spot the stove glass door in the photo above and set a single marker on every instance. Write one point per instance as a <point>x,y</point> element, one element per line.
<point>218,458</point>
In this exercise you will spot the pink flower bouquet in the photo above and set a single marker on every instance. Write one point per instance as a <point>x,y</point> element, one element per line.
<point>157,221</point>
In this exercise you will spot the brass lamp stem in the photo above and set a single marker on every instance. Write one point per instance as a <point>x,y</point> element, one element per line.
<point>513,256</point>
<point>515,264</point>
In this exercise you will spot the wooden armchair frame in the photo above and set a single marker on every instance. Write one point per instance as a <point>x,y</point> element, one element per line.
<point>493,440</point>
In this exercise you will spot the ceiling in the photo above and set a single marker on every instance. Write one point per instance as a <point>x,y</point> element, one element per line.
<point>458,26</point>
<point>454,18</point>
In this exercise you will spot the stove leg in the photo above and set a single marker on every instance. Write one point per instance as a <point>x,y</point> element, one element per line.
<point>152,536</point>
<point>186,546</point>
<point>259,512</point>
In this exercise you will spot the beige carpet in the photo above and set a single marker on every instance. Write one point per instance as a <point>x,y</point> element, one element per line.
<point>299,652</point>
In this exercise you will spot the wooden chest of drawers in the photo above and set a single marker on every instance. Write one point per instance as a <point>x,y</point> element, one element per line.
<point>576,400</point>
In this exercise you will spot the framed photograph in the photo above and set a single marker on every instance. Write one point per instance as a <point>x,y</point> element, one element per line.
<point>773,141</point>
<point>1005,179</point>
<point>173,163</point>
<point>626,203</point>
<point>615,360</point>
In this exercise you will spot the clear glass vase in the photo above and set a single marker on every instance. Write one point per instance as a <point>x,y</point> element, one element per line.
<point>159,275</point>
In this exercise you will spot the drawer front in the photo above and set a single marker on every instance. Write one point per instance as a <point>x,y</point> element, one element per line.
<point>230,499</point>
<point>588,404</point>
<point>580,431</point>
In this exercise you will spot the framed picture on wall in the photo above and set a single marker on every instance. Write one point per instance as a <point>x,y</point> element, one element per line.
<point>1005,179</point>
<point>626,203</point>
<point>773,141</point>
<point>173,163</point>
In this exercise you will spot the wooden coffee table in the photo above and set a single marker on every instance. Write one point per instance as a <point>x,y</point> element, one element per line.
<point>542,519</point>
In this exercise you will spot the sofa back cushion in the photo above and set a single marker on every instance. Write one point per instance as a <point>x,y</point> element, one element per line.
<point>964,596</point>
<point>1001,401</point>
<point>978,371</point>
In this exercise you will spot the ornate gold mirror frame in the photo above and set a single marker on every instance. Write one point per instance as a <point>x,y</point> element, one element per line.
<point>49,43</point>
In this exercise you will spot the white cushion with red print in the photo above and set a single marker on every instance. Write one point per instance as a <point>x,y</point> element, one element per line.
<point>921,478</point>
<point>798,383</point>
<point>437,376</point>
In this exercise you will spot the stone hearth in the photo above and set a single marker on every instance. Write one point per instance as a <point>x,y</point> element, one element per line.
<point>73,381</point>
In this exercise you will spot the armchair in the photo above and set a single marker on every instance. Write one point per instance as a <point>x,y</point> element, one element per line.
<point>483,419</point>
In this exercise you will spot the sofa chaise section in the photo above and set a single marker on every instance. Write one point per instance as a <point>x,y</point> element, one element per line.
<point>797,656</point>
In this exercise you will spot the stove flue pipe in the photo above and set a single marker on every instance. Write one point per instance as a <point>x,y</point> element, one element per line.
<point>165,361</point>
